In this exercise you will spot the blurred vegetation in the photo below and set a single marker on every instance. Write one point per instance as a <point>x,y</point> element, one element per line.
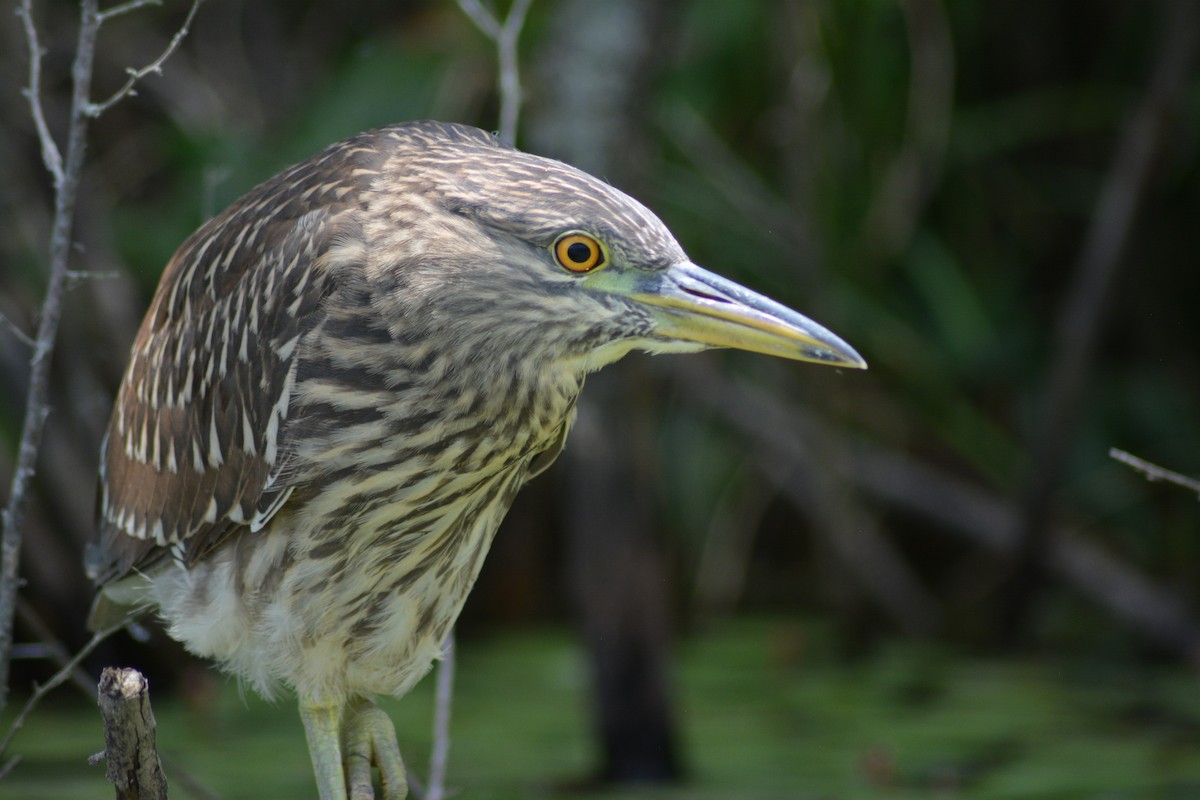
<point>770,711</point>
<point>921,177</point>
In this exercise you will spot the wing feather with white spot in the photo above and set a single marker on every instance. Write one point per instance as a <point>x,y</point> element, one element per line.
<point>195,433</point>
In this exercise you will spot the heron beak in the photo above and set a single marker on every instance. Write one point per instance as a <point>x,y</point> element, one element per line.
<point>692,304</point>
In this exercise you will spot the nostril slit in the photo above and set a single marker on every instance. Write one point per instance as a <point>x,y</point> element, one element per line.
<point>706,296</point>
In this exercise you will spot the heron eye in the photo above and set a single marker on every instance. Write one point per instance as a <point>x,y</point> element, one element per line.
<point>578,252</point>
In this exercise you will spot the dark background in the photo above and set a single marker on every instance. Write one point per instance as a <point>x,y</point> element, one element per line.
<point>994,202</point>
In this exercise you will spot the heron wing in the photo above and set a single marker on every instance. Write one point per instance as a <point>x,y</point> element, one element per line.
<point>194,447</point>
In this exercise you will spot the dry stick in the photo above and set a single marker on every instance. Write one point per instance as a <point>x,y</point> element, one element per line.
<point>130,747</point>
<point>1153,472</point>
<point>1086,304</point>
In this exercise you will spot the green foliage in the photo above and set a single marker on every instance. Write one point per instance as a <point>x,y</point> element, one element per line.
<point>769,711</point>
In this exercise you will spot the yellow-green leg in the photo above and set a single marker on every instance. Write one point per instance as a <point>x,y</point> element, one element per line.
<point>345,742</point>
<point>322,727</point>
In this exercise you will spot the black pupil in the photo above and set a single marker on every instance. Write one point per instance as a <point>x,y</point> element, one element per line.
<point>579,252</point>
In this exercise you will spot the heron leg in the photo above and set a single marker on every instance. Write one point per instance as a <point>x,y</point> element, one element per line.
<point>322,727</point>
<point>370,740</point>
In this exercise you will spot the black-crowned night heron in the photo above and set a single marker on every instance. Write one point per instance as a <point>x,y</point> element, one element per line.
<point>342,382</point>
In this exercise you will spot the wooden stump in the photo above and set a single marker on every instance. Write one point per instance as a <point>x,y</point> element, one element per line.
<point>129,736</point>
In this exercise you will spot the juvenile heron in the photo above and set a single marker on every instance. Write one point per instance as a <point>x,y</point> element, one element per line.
<point>342,382</point>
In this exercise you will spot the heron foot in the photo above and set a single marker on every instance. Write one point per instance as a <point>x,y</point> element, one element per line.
<point>369,740</point>
<point>346,743</point>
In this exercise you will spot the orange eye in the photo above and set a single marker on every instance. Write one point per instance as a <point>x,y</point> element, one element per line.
<point>578,252</point>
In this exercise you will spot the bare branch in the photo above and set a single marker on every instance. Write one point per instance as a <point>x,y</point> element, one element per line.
<point>33,93</point>
<point>483,19</point>
<point>36,408</point>
<point>78,276</point>
<point>58,679</point>
<point>23,337</point>
<point>510,78</point>
<point>505,36</point>
<point>1153,472</point>
<point>54,649</point>
<point>66,192</point>
<point>125,8</point>
<point>154,67</point>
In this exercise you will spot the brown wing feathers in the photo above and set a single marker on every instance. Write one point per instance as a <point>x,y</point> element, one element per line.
<point>194,434</point>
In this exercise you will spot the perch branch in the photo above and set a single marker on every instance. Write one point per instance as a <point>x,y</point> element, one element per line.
<point>130,749</point>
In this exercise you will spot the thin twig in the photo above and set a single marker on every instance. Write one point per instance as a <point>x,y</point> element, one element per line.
<point>1086,305</point>
<point>510,77</point>
<point>154,67</point>
<point>55,650</point>
<point>33,93</point>
<point>78,276</point>
<point>1153,472</point>
<point>441,723</point>
<point>483,19</point>
<point>125,8</point>
<point>23,337</point>
<point>506,36</point>
<point>56,680</point>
